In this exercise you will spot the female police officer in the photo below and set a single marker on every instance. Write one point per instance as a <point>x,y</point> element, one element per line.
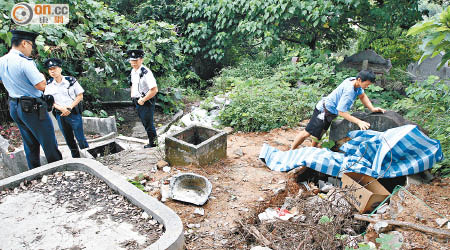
<point>67,93</point>
<point>25,84</point>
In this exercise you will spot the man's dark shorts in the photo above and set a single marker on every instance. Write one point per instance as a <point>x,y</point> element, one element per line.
<point>316,126</point>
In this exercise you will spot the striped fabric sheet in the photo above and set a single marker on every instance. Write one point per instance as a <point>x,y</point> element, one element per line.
<point>396,152</point>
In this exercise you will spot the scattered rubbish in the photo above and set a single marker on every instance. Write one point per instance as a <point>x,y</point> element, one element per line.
<point>166,169</point>
<point>44,179</point>
<point>191,188</point>
<point>325,186</point>
<point>260,248</point>
<point>154,169</point>
<point>280,213</point>
<point>260,199</point>
<point>165,192</point>
<point>335,181</point>
<point>304,183</point>
<point>279,190</point>
<point>161,163</point>
<point>145,215</point>
<point>153,222</point>
<point>238,152</point>
<point>383,209</point>
<point>191,225</point>
<point>244,209</point>
<point>199,211</point>
<point>365,192</point>
<point>381,227</point>
<point>300,218</point>
<point>323,196</point>
<point>441,222</point>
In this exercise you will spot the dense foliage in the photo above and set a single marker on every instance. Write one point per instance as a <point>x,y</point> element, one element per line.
<point>264,98</point>
<point>428,104</point>
<point>437,38</point>
<point>211,28</point>
<point>94,43</point>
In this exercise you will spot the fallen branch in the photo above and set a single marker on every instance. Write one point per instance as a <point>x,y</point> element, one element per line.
<point>417,227</point>
<point>259,236</point>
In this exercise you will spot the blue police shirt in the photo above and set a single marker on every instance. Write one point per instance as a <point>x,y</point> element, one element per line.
<point>19,74</point>
<point>342,98</point>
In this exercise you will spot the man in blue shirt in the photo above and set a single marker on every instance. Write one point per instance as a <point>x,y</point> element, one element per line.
<point>339,102</point>
<point>25,85</point>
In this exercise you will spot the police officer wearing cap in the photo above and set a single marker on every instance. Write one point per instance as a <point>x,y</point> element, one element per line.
<point>25,85</point>
<point>67,94</point>
<point>143,93</point>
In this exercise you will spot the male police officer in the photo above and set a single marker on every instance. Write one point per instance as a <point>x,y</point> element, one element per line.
<point>25,85</point>
<point>143,91</point>
<point>67,93</point>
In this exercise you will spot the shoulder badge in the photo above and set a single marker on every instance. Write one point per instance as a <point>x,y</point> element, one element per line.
<point>72,80</point>
<point>143,72</point>
<point>50,80</point>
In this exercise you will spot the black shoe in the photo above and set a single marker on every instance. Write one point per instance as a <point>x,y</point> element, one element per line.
<point>149,146</point>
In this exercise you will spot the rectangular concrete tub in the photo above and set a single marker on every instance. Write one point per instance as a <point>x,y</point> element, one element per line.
<point>196,145</point>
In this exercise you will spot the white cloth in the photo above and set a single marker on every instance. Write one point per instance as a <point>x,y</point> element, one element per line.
<point>142,85</point>
<point>61,94</point>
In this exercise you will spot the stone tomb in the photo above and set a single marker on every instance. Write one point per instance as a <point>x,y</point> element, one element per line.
<point>378,122</point>
<point>106,148</point>
<point>197,145</point>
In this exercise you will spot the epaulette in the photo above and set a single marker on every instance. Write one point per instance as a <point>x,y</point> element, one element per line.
<point>50,80</point>
<point>143,72</point>
<point>72,80</point>
<point>26,57</point>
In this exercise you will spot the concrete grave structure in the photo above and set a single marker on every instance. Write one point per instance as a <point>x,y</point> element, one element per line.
<point>378,122</point>
<point>429,67</point>
<point>196,145</point>
<point>367,59</point>
<point>15,162</point>
<point>173,237</point>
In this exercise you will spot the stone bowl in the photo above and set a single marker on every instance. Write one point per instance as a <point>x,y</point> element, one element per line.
<point>191,188</point>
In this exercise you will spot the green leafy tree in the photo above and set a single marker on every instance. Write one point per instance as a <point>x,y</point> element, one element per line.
<point>94,42</point>
<point>437,36</point>
<point>212,28</point>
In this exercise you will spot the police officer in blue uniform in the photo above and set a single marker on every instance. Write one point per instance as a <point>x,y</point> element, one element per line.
<point>27,107</point>
<point>143,93</point>
<point>67,94</point>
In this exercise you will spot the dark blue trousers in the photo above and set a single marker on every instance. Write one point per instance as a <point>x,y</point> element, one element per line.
<point>145,113</point>
<point>34,133</point>
<point>72,126</point>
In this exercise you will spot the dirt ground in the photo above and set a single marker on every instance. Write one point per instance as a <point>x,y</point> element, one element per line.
<point>243,187</point>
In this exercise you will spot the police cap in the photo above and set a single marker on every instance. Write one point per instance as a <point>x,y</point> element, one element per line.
<point>135,54</point>
<point>52,62</point>
<point>25,35</point>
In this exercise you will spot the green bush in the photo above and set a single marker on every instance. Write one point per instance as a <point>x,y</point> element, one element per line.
<point>262,105</point>
<point>264,98</point>
<point>428,104</point>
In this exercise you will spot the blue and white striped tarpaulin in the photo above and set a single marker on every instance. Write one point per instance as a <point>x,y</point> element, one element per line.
<point>396,152</point>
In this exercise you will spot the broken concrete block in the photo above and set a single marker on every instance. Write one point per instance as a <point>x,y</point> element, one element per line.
<point>191,188</point>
